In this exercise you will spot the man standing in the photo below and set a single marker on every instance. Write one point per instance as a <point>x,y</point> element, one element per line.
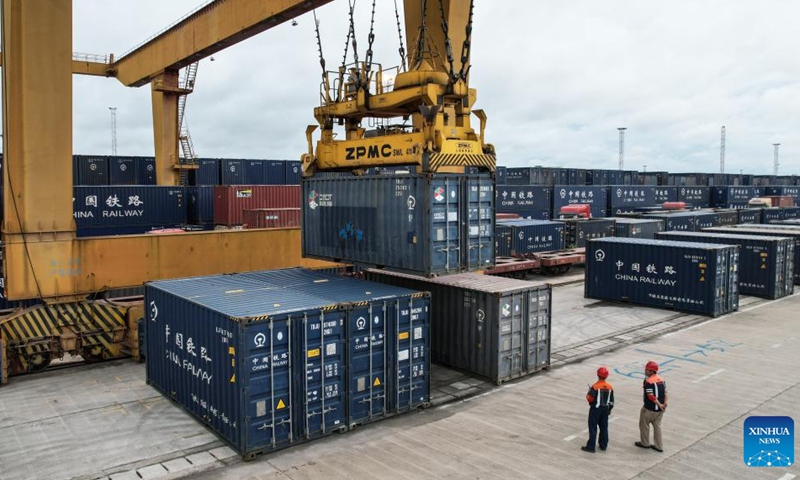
<point>601,401</point>
<point>655,402</point>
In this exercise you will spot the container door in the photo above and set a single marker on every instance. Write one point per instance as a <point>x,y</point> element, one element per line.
<point>478,245</point>
<point>538,329</point>
<point>322,398</point>
<point>410,340</point>
<point>366,363</point>
<point>445,196</point>
<point>510,336</point>
<point>270,390</point>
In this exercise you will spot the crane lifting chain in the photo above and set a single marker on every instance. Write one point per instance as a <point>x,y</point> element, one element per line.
<point>344,63</point>
<point>448,45</point>
<point>464,72</point>
<point>371,38</point>
<point>423,32</point>
<point>402,48</point>
<point>319,45</point>
<point>352,36</point>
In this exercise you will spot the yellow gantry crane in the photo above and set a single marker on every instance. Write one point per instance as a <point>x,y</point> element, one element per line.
<point>42,257</point>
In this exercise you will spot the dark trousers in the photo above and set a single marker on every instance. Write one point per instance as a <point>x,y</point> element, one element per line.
<point>598,417</point>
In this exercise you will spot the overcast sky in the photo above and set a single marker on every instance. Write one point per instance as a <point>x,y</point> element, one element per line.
<point>556,79</point>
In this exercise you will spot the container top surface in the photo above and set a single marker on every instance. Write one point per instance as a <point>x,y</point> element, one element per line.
<point>683,214</point>
<point>767,229</point>
<point>239,298</point>
<point>730,236</point>
<point>658,243</point>
<point>332,288</point>
<point>472,281</point>
<point>525,223</point>
<point>635,220</point>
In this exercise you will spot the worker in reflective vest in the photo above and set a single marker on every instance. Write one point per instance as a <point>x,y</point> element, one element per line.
<point>601,401</point>
<point>655,402</point>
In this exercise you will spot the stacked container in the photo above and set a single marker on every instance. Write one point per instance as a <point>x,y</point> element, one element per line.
<point>527,201</point>
<point>520,238</point>
<point>748,216</point>
<point>595,197</point>
<point>766,264</point>
<point>770,231</point>
<point>127,210</point>
<point>733,197</point>
<point>695,196</point>
<point>201,205</point>
<point>427,224</point>
<point>728,217</point>
<point>686,221</point>
<point>637,228</point>
<point>580,231</point>
<point>271,359</point>
<point>495,327</point>
<point>272,218</point>
<point>691,277</point>
<point>230,201</point>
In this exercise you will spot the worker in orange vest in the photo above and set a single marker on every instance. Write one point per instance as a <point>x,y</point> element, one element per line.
<point>601,401</point>
<point>655,402</point>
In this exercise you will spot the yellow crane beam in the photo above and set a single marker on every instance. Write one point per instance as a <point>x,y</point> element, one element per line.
<point>213,27</point>
<point>86,65</point>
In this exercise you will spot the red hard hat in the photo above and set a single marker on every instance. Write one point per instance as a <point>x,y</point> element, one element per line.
<point>651,365</point>
<point>602,372</point>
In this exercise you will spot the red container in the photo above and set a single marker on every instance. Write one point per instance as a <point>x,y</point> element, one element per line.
<point>272,218</point>
<point>674,206</point>
<point>231,200</point>
<point>506,216</point>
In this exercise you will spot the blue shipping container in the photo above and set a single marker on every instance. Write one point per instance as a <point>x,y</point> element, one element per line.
<point>793,192</point>
<point>769,215</point>
<point>232,172</point>
<point>128,206</point>
<point>748,216</point>
<point>637,227</point>
<point>500,174</point>
<point>732,197</point>
<point>200,205</point>
<point>423,224</point>
<point>207,172</point>
<point>622,198</point>
<point>519,238</point>
<point>693,277</point>
<point>255,172</point>
<point>122,171</point>
<point>268,366</point>
<point>695,196</point>
<point>563,195</point>
<point>92,170</point>
<point>293,172</point>
<point>146,170</point>
<point>275,172</point>
<point>523,198</point>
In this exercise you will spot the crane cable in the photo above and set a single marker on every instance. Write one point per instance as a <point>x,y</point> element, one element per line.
<point>344,63</point>
<point>402,49</point>
<point>448,44</point>
<point>352,36</point>
<point>371,38</point>
<point>319,45</point>
<point>423,32</point>
<point>465,48</point>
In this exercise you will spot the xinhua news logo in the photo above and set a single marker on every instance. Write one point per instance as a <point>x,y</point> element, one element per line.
<point>769,442</point>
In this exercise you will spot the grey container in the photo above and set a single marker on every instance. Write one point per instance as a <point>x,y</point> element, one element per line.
<point>267,367</point>
<point>495,327</point>
<point>691,277</point>
<point>578,232</point>
<point>772,230</point>
<point>637,227</point>
<point>766,264</point>
<point>432,224</point>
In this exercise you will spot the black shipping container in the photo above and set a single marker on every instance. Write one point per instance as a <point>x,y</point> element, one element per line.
<point>791,213</point>
<point>732,197</point>
<point>207,172</point>
<point>122,171</point>
<point>91,170</point>
<point>495,327</point>
<point>500,174</point>
<point>789,191</point>
<point>728,217</point>
<point>578,232</point>
<point>686,221</point>
<point>626,198</point>
<point>637,228</point>
<point>200,205</point>
<point>520,238</point>
<point>431,224</point>
<point>691,277</point>
<point>267,366</point>
<point>232,172</point>
<point>255,172</point>
<point>275,172</point>
<point>695,197</point>
<point>523,198</point>
<point>769,215</point>
<point>293,172</point>
<point>146,170</point>
<point>766,264</point>
<point>748,215</point>
<point>525,214</point>
<point>772,230</point>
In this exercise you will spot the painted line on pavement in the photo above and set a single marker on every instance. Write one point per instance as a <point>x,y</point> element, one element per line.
<point>777,345</point>
<point>706,377</point>
<point>788,476</point>
<point>586,430</point>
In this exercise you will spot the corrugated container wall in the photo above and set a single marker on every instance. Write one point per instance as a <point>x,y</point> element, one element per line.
<point>231,200</point>
<point>766,230</point>
<point>92,170</point>
<point>732,197</point>
<point>500,173</point>
<point>201,205</point>
<point>748,215</point>
<point>122,171</point>
<point>578,232</point>
<point>207,172</point>
<point>729,216</point>
<point>494,327</point>
<point>275,172</point>
<point>267,366</point>
<point>293,172</point>
<point>232,172</point>
<point>769,215</point>
<point>272,218</point>
<point>625,199</point>
<point>423,224</point>
<point>696,197</point>
<point>637,228</point>
<point>691,277</point>
<point>595,197</point>
<point>110,210</point>
<point>520,238</point>
<point>255,172</point>
<point>523,198</point>
<point>146,170</point>
<point>766,264</point>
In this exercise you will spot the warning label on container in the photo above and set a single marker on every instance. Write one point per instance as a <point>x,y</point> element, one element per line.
<point>403,336</point>
<point>313,353</point>
<point>280,404</point>
<point>377,382</point>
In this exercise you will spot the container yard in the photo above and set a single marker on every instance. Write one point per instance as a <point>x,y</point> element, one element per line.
<point>391,295</point>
